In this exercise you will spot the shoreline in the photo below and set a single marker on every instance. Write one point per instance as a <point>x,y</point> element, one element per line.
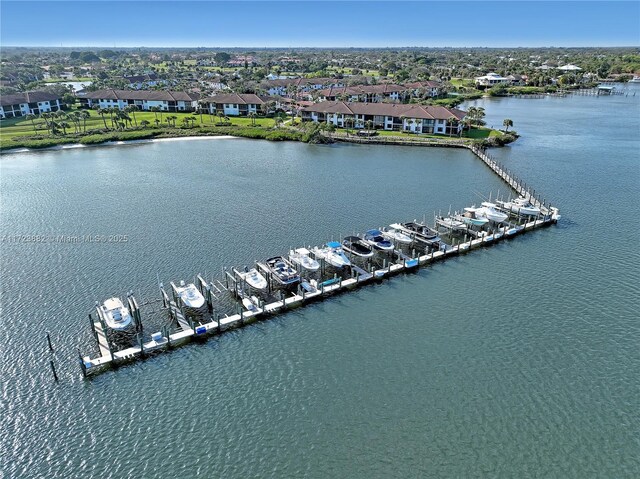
<point>73,146</point>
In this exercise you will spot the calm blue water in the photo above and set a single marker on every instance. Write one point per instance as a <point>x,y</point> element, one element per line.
<point>520,360</point>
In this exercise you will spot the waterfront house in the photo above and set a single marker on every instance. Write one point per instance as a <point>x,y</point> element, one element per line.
<point>144,100</point>
<point>491,79</point>
<point>386,116</point>
<point>30,102</point>
<point>233,104</point>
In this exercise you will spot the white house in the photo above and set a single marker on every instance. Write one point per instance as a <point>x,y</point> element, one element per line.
<point>31,102</point>
<point>144,100</point>
<point>491,79</point>
<point>569,68</point>
<point>233,104</point>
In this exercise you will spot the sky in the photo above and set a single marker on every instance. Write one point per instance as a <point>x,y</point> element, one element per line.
<point>158,23</point>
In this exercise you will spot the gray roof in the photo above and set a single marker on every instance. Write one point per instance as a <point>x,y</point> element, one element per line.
<point>161,95</point>
<point>428,112</point>
<point>27,97</point>
<point>239,98</point>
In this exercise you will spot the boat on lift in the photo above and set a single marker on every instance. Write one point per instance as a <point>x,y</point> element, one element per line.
<point>376,239</point>
<point>283,271</point>
<point>115,314</point>
<point>393,234</point>
<point>251,304</point>
<point>520,206</point>
<point>301,257</point>
<point>490,211</point>
<point>357,246</point>
<point>333,254</point>
<point>419,231</point>
<point>190,295</point>
<point>451,223</point>
<point>471,217</point>
<point>253,278</point>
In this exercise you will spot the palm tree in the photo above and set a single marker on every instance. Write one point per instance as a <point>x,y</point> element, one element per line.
<point>84,116</point>
<point>102,112</point>
<point>157,122</point>
<point>507,123</point>
<point>155,110</point>
<point>64,125</point>
<point>369,124</point>
<point>132,109</point>
<point>33,122</point>
<point>252,115</point>
<point>48,120</point>
<point>186,121</point>
<point>452,121</point>
<point>144,123</point>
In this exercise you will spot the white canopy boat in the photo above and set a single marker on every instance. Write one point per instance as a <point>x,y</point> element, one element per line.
<point>470,217</point>
<point>489,211</point>
<point>301,257</point>
<point>115,314</point>
<point>190,295</point>
<point>253,278</point>
<point>332,253</point>
<point>393,234</point>
<point>520,206</point>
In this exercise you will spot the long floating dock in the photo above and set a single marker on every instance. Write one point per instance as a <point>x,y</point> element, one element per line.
<point>188,329</point>
<point>185,328</point>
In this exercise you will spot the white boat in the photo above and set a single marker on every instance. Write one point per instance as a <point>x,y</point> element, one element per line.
<point>251,304</point>
<point>470,217</point>
<point>489,211</point>
<point>451,223</point>
<point>393,234</point>
<point>282,271</point>
<point>301,257</point>
<point>115,314</point>
<point>253,278</point>
<point>378,241</point>
<point>635,79</point>
<point>190,295</point>
<point>520,206</point>
<point>332,253</point>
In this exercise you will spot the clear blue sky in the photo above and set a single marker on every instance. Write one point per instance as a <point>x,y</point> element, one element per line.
<point>319,24</point>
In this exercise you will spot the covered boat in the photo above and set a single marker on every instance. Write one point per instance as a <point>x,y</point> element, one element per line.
<point>357,246</point>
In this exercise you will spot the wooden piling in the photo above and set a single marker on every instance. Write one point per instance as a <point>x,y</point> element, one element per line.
<point>53,370</point>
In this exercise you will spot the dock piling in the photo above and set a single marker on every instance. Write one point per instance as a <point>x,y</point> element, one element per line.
<point>53,370</point>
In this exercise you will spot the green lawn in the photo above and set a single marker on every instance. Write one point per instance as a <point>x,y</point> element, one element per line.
<point>21,127</point>
<point>481,133</point>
